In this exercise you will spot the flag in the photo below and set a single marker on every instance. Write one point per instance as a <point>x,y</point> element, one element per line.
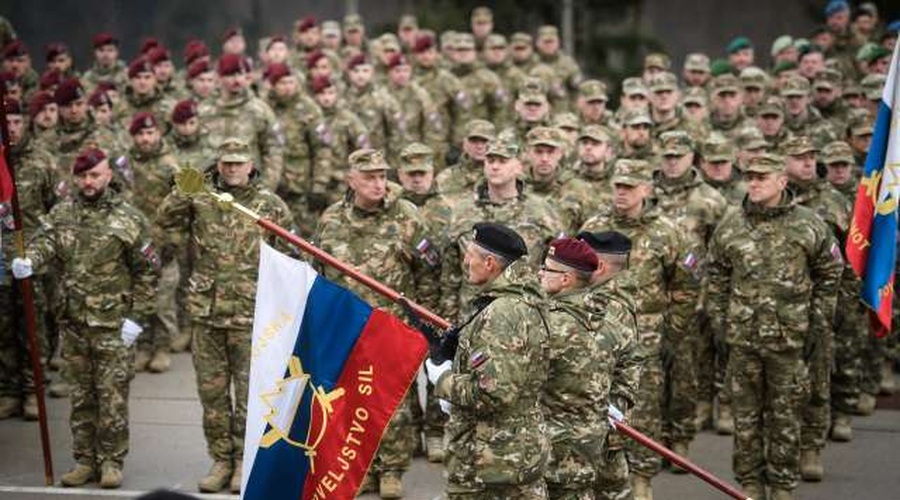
<point>872,242</point>
<point>326,374</point>
<point>6,180</point>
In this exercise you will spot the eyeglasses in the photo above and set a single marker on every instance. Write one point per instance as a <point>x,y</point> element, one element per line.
<point>546,269</point>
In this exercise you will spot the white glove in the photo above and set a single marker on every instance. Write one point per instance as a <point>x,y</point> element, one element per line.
<point>445,405</point>
<point>130,332</point>
<point>614,415</point>
<point>22,268</point>
<point>434,371</point>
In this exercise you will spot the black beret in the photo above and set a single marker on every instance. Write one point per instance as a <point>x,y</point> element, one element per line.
<point>500,240</point>
<point>608,242</point>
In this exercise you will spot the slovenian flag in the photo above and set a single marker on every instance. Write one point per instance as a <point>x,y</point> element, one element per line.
<point>327,372</point>
<point>872,242</point>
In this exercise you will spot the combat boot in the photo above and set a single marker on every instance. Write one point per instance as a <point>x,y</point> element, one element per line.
<point>79,475</point>
<point>141,359</point>
<point>725,421</point>
<point>390,486</point>
<point>780,494</point>
<point>888,384</point>
<point>435,449</point>
<point>704,415</point>
<point>811,468</point>
<point>641,487</point>
<point>219,475</point>
<point>680,449</point>
<point>236,477</point>
<point>59,389</point>
<point>160,362</point>
<point>182,341</point>
<point>9,407</point>
<point>841,430</point>
<point>110,475</point>
<point>866,404</point>
<point>754,490</point>
<point>30,408</point>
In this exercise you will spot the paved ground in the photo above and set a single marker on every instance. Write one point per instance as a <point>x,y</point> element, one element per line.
<point>167,450</point>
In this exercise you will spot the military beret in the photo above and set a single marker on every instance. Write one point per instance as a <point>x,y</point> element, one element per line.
<point>592,90</point>
<point>184,111</point>
<point>50,79</point>
<point>504,145</point>
<point>197,68</point>
<point>809,48</point>
<point>103,39</point>
<point>15,48</point>
<point>695,95</point>
<point>657,60</point>
<point>697,62</point>
<point>520,39</point>
<point>837,152</point>
<point>234,150</point>
<point>305,24</point>
<point>828,79</point>
<point>795,86</point>
<point>500,240</point>
<point>482,14</point>
<point>98,98</point>
<point>157,55</point>
<point>357,60</point>
<point>277,71</point>
<point>772,105</point>
<point>544,136</point>
<point>737,44</point>
<point>8,80</point>
<point>633,86</point>
<point>231,32</point>
<point>39,100</point>
<point>320,83</point>
<point>878,53</point>
<point>565,121</point>
<point>408,21</point>
<point>835,6</point>
<point>87,159</point>
<point>634,117</point>
<point>230,64</point>
<point>12,107</point>
<point>547,31</point>
<point>765,163</point>
<point>725,83</point>
<point>149,43</point>
<point>495,41</point>
<point>781,44</point>
<point>720,67</point>
<point>68,92</point>
<point>396,60</point>
<point>754,78</point>
<point>416,157</point>
<point>353,22</point>
<point>595,132</point>
<point>142,120</point>
<point>480,129</point>
<point>193,50</point>
<point>367,160</point>
<point>676,143</point>
<point>750,139</point>
<point>632,172</point>
<point>607,242</point>
<point>138,66</point>
<point>873,86</point>
<point>573,253</point>
<point>664,81</point>
<point>798,145</point>
<point>423,43</point>
<point>55,50</point>
<point>782,66</point>
<point>717,148</point>
<point>331,28</point>
<point>313,58</point>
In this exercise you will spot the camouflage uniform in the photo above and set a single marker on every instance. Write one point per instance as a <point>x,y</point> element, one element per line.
<point>118,74</point>
<point>383,117</point>
<point>341,132</point>
<point>772,281</point>
<point>810,122</point>
<point>157,103</point>
<point>450,98</point>
<point>195,151</point>
<point>597,182</point>
<point>224,246</point>
<point>490,100</point>
<point>423,120</point>
<point>461,178</point>
<point>109,271</point>
<point>249,118</point>
<point>571,196</point>
<point>72,138</point>
<point>564,67</point>
<point>496,437</point>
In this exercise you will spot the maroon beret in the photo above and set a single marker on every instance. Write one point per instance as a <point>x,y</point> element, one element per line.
<point>101,39</point>
<point>184,111</point>
<point>157,55</point>
<point>8,80</point>
<point>306,23</point>
<point>573,253</point>
<point>197,68</point>
<point>356,60</point>
<point>12,107</point>
<point>396,60</point>
<point>423,43</point>
<point>142,120</point>
<point>313,58</point>
<point>193,50</point>
<point>107,86</point>
<point>15,48</point>
<point>230,32</point>
<point>68,91</point>
<point>87,159</point>
<point>230,64</point>
<point>98,98</point>
<point>51,78</point>
<point>39,100</point>
<point>138,66</point>
<point>276,72</point>
<point>275,39</point>
<point>320,83</point>
<point>55,50</point>
<point>149,43</point>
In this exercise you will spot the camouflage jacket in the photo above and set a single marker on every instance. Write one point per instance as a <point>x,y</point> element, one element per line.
<point>496,429</point>
<point>341,132</point>
<point>812,125</point>
<point>450,98</point>
<point>223,245</point>
<point>383,117</point>
<point>108,261</point>
<point>71,139</point>
<point>679,121</point>
<point>490,100</point>
<point>733,190</point>
<point>304,153</point>
<point>511,76</point>
<point>568,194</point>
<point>462,177</point>
<point>157,103</point>
<point>149,177</point>
<point>600,184</point>
<point>195,152</point>
<point>773,275</point>
<point>823,199</point>
<point>730,128</point>
<point>118,74</point>
<point>423,120</point>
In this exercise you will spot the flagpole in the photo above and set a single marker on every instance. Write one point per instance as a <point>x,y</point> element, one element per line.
<point>190,181</point>
<point>27,290</point>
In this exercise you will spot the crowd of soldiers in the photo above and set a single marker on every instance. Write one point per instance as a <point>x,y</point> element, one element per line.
<point>677,260</point>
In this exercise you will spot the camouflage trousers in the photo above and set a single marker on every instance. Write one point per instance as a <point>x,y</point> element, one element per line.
<point>613,477</point>
<point>850,334</point>
<point>16,377</point>
<point>165,325</point>
<point>680,389</point>
<point>99,368</point>
<point>435,419</point>
<point>304,218</point>
<point>572,470</point>
<point>875,351</point>
<point>221,358</point>
<point>646,416</point>
<point>531,491</point>
<point>399,440</point>
<point>767,389</point>
<point>817,405</point>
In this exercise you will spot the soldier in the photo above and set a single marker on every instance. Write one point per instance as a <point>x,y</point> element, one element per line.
<point>307,37</point>
<point>771,289</point>
<point>416,175</point>
<point>532,110</point>
<point>801,118</point>
<point>591,104</point>
<point>101,109</point>
<point>770,121</point>
<point>634,96</point>
<point>522,50</point>
<point>59,59</point>
<point>657,251</point>
<point>201,82</point>
<point>238,113</point>
<point>636,144</point>
<point>497,444</point>
<point>580,372</point>
<point>496,58</point>
<point>76,130</point>
<point>408,31</point>
<point>696,70</point>
<point>726,116</point>
<point>654,64</point>
<point>164,69</point>
<point>811,61</point>
<point>355,34</point>
<point>553,181</point>
<point>43,114</point>
<point>17,61</point>
<point>564,66</point>
<point>664,109</point>
<point>149,169</point>
<point>696,105</point>
<point>740,53</point>
<point>423,120</point>
<point>36,181</point>
<point>451,99</point>
<point>490,100</point>
<point>859,136</point>
<point>595,165</point>
<point>109,265</point>
<point>187,140</point>
<point>500,197</point>
<point>107,66</point>
<point>354,230</point>
<point>462,177</point>
<point>754,83</point>
<point>379,110</point>
<point>827,98</point>
<point>482,24</point>
<point>142,94</point>
<point>223,245</point>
